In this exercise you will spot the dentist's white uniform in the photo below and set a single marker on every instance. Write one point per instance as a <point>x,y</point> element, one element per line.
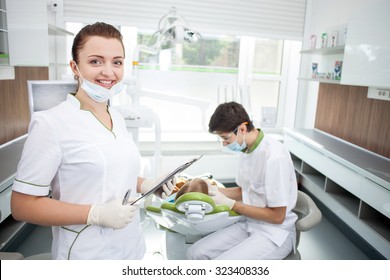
<point>267,178</point>
<point>70,152</point>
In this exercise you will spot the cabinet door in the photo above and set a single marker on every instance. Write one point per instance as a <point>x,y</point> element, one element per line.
<point>27,32</point>
<point>366,55</point>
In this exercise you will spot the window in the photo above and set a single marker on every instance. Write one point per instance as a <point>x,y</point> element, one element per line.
<point>183,84</point>
<point>265,84</point>
<point>211,52</point>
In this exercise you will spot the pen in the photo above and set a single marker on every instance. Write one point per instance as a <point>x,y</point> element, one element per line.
<point>126,197</point>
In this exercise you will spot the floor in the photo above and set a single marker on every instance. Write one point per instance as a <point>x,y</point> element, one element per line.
<point>325,242</point>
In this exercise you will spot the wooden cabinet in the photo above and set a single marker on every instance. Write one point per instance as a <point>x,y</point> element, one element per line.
<point>350,182</point>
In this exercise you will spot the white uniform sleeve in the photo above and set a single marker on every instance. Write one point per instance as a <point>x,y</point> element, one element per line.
<point>277,182</point>
<point>40,160</point>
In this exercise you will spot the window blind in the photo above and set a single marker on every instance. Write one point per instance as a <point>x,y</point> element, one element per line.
<point>282,19</point>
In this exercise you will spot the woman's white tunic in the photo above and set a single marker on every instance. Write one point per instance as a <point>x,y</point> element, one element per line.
<point>72,154</point>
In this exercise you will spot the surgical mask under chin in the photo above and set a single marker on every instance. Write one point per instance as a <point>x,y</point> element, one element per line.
<point>235,147</point>
<point>99,93</point>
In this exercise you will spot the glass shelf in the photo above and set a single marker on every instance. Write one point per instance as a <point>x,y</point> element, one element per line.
<point>325,51</point>
<point>327,81</point>
<point>54,30</point>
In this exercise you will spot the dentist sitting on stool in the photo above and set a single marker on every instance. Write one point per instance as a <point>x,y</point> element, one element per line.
<point>265,195</point>
<point>82,152</point>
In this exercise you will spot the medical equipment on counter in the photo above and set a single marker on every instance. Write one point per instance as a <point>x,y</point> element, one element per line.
<point>137,116</point>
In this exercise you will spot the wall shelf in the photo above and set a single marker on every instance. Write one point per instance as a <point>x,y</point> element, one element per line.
<point>339,50</point>
<point>327,81</point>
<point>325,51</point>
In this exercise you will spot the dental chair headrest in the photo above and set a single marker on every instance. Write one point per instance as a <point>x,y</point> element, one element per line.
<point>192,198</point>
<point>195,205</point>
<point>195,198</point>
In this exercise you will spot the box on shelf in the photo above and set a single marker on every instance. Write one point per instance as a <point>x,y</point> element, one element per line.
<point>337,69</point>
<point>314,68</point>
<point>334,39</point>
<point>324,40</point>
<point>313,41</point>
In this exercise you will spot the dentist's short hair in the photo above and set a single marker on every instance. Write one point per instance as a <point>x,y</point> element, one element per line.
<point>228,116</point>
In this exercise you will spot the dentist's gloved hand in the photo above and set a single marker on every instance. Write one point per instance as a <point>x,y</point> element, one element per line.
<point>112,214</point>
<point>220,198</point>
<point>212,187</point>
<point>164,191</point>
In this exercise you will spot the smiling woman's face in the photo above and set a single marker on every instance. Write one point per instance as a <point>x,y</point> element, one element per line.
<point>101,61</point>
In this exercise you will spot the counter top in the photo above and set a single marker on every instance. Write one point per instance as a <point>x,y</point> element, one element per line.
<point>372,166</point>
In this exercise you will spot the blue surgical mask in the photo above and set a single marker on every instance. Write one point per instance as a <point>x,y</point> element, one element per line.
<point>99,93</point>
<point>235,147</point>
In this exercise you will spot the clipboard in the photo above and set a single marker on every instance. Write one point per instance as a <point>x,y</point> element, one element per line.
<point>167,178</point>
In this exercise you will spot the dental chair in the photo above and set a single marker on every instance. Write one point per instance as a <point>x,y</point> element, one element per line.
<point>309,216</point>
<point>187,219</point>
<point>193,214</point>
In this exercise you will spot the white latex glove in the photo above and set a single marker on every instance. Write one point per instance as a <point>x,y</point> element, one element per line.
<point>212,188</point>
<point>164,191</point>
<point>112,214</point>
<point>220,198</point>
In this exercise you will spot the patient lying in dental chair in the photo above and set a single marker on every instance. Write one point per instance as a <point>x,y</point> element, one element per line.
<point>191,210</point>
<point>195,185</point>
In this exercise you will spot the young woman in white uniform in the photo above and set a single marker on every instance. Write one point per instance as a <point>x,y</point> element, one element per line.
<point>265,196</point>
<point>81,151</point>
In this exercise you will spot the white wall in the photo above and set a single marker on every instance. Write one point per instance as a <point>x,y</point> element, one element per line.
<point>321,16</point>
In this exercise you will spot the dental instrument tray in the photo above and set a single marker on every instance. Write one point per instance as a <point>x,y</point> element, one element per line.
<point>167,178</point>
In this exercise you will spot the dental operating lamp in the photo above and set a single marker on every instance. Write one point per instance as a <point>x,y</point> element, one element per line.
<point>172,29</point>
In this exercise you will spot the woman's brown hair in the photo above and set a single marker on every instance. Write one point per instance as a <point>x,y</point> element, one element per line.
<point>100,29</point>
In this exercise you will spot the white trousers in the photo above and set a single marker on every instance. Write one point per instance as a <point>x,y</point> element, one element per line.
<point>236,243</point>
